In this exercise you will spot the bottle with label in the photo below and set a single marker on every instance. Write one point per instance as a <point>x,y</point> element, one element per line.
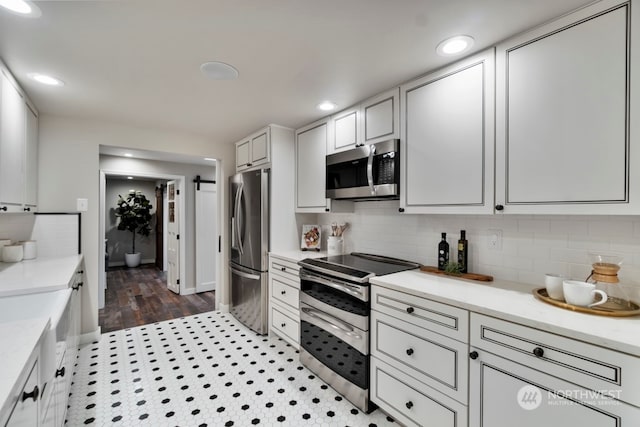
<point>462,251</point>
<point>443,252</point>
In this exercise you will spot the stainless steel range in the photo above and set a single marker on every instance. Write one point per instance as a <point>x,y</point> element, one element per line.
<point>334,314</point>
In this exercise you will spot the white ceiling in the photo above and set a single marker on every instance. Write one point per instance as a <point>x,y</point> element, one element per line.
<point>137,61</point>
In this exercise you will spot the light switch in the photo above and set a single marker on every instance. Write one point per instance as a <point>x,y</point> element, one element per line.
<point>82,205</point>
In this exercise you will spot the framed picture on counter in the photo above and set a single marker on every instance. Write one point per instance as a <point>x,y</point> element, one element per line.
<point>311,238</point>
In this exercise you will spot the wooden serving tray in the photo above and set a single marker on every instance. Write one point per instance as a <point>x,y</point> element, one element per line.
<point>614,307</point>
<point>470,276</point>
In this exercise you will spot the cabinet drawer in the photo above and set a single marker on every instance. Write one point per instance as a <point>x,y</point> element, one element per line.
<point>285,326</point>
<point>438,361</point>
<point>284,268</point>
<point>587,365</point>
<point>411,402</point>
<point>434,316</point>
<point>282,291</point>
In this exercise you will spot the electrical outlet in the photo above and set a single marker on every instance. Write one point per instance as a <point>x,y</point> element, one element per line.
<point>495,240</point>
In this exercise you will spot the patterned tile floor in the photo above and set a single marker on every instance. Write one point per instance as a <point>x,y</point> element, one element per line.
<point>202,370</point>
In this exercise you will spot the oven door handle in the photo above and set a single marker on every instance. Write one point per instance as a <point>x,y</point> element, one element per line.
<point>322,281</point>
<point>372,151</point>
<point>332,322</point>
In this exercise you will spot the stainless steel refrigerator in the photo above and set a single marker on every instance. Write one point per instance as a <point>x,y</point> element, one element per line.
<point>249,228</point>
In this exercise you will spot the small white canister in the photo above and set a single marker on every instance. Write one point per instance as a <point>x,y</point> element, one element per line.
<point>29,249</point>
<point>335,245</point>
<point>12,253</point>
<point>3,243</point>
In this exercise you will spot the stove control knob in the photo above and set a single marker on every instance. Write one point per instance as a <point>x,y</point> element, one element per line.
<point>409,404</point>
<point>409,351</point>
<point>410,310</point>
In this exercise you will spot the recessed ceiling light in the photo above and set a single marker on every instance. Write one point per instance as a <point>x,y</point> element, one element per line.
<point>219,71</point>
<point>128,155</point>
<point>129,177</point>
<point>454,45</point>
<point>21,7</point>
<point>45,79</point>
<point>209,159</point>
<point>326,106</point>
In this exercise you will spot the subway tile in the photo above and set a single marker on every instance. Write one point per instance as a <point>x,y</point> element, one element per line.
<point>533,225</point>
<point>611,226</point>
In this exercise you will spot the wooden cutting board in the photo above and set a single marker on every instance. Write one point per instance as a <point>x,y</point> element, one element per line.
<point>470,276</point>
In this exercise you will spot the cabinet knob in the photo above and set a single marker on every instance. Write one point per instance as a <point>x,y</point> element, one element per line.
<point>400,210</point>
<point>283,325</point>
<point>283,292</point>
<point>499,207</point>
<point>327,209</point>
<point>4,208</point>
<point>80,271</point>
<point>248,164</point>
<point>33,395</point>
<point>473,355</point>
<point>77,286</point>
<point>26,209</point>
<point>283,269</point>
<point>60,372</point>
<point>409,404</point>
<point>409,351</point>
<point>538,352</point>
<point>410,310</point>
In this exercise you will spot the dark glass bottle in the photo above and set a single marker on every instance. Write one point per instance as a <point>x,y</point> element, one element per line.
<point>462,251</point>
<point>443,252</point>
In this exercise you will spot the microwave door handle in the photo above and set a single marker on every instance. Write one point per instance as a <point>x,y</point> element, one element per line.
<point>331,322</point>
<point>372,152</point>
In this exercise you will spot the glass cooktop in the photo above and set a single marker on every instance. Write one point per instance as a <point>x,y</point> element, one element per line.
<point>358,266</point>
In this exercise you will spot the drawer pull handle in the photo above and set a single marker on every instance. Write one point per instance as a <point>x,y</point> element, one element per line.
<point>409,351</point>
<point>409,404</point>
<point>33,395</point>
<point>410,310</point>
<point>283,325</point>
<point>538,352</point>
<point>283,268</point>
<point>60,372</point>
<point>77,286</point>
<point>473,355</point>
<point>283,292</point>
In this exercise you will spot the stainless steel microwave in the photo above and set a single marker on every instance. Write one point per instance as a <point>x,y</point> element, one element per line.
<point>369,172</point>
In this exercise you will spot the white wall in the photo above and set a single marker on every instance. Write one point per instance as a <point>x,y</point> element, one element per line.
<point>69,169</point>
<point>189,171</point>
<point>531,245</point>
<point>120,240</point>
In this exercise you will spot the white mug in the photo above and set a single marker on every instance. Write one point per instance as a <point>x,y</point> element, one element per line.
<point>553,283</point>
<point>334,245</point>
<point>582,293</point>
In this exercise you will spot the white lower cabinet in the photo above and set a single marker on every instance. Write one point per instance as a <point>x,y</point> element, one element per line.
<point>25,411</point>
<point>527,377</point>
<point>284,293</point>
<point>419,359</point>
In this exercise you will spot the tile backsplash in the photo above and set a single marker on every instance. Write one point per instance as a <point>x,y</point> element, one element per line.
<point>16,226</point>
<point>531,245</point>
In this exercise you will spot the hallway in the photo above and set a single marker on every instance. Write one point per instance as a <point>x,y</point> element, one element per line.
<point>139,296</point>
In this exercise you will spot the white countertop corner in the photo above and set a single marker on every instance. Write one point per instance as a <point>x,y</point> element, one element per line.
<point>295,256</point>
<point>37,275</point>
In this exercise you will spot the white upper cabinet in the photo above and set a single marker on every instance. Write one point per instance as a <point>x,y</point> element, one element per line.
<point>253,151</point>
<point>447,144</point>
<point>31,161</point>
<point>12,147</point>
<point>566,137</point>
<point>311,151</point>
<point>381,117</point>
<point>374,120</point>
<point>345,132</point>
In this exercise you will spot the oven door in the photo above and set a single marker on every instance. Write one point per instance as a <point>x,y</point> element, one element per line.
<point>337,345</point>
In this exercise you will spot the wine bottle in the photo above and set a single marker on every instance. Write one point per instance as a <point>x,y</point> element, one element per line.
<point>462,251</point>
<point>443,252</point>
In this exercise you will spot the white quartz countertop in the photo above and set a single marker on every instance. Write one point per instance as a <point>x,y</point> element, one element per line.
<point>19,340</point>
<point>515,302</point>
<point>296,256</point>
<point>37,275</point>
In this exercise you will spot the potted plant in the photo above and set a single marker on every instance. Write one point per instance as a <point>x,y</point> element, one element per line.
<point>135,216</point>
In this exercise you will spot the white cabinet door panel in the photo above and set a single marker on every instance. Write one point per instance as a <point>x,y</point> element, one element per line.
<point>260,148</point>
<point>12,145</point>
<point>243,154</point>
<point>380,116</point>
<point>311,150</point>
<point>345,131</point>
<point>567,109</point>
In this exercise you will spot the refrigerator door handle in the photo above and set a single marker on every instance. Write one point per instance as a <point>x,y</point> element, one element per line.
<point>245,275</point>
<point>236,213</point>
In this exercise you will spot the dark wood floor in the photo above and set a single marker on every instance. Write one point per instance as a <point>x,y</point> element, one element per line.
<point>139,296</point>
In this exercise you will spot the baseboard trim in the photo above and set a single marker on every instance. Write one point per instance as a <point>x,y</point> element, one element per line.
<point>122,263</point>
<point>206,287</point>
<point>90,337</point>
<point>224,308</point>
<point>188,291</point>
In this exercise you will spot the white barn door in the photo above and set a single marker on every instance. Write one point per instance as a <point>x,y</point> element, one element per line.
<point>206,236</point>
